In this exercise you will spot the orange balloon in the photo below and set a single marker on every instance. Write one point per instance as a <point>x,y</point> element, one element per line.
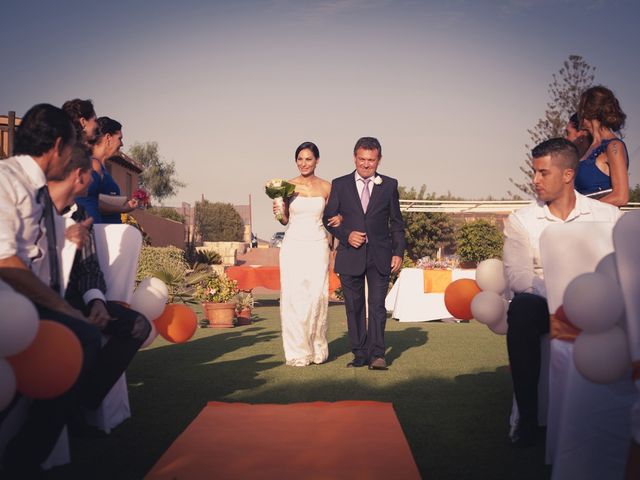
<point>51,364</point>
<point>458,296</point>
<point>177,323</point>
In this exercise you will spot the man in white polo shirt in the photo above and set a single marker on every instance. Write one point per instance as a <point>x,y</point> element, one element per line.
<point>554,165</point>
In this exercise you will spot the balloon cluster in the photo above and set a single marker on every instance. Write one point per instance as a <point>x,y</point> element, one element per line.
<point>481,298</point>
<point>594,303</point>
<point>175,323</point>
<point>40,359</point>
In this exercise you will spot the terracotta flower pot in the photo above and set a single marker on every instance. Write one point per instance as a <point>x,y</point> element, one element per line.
<point>244,316</point>
<point>220,315</point>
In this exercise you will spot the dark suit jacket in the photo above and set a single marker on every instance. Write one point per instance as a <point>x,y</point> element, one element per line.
<point>383,224</point>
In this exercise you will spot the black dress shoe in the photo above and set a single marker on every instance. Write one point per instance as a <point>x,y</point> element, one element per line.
<point>78,427</point>
<point>378,364</point>
<point>357,363</point>
<point>523,437</point>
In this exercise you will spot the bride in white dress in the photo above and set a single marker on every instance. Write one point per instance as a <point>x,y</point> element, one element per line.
<point>304,265</point>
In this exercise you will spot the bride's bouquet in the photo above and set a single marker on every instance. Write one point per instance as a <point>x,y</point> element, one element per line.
<point>279,189</point>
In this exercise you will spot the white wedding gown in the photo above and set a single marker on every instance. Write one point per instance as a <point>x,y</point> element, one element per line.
<point>304,283</point>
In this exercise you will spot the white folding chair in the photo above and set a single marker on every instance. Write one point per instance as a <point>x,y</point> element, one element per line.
<point>586,423</point>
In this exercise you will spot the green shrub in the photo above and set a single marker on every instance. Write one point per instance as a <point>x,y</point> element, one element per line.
<point>209,257</point>
<point>218,222</point>
<point>153,259</point>
<point>478,241</point>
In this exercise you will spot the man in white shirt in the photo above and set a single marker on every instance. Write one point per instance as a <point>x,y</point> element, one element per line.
<point>554,164</point>
<point>28,263</point>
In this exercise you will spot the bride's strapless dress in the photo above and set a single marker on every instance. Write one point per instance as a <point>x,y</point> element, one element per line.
<point>304,283</point>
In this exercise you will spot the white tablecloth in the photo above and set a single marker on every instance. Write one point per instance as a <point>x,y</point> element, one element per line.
<point>408,302</point>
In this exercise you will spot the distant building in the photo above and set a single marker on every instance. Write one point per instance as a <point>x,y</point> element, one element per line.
<point>126,172</point>
<point>7,132</point>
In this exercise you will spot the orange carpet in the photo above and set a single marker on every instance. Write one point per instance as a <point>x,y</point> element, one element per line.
<point>300,440</point>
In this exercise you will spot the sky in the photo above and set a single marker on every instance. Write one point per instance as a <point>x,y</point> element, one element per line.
<point>230,89</point>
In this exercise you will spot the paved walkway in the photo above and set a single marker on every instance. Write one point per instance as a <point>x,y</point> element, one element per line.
<point>260,256</point>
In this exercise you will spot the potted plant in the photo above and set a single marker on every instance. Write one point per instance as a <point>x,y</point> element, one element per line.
<point>216,292</point>
<point>244,304</point>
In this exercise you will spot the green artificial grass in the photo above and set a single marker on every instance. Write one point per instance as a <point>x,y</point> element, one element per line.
<point>449,384</point>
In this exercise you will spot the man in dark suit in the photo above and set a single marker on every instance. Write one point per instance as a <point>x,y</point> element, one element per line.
<point>371,236</point>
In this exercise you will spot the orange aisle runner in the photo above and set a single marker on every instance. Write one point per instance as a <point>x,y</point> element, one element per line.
<point>300,440</point>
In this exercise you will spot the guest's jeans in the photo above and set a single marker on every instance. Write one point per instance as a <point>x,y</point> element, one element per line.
<point>528,319</point>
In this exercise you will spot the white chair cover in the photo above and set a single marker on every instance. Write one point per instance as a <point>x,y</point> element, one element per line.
<point>118,248</point>
<point>625,238</point>
<point>578,442</point>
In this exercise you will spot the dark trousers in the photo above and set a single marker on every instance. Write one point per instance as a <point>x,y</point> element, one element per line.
<point>101,368</point>
<point>528,319</point>
<point>125,334</point>
<point>367,341</point>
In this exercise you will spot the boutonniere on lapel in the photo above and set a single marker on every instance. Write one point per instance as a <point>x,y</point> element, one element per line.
<point>377,180</point>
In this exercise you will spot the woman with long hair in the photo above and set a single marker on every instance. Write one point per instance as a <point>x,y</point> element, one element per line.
<point>603,172</point>
<point>107,145</point>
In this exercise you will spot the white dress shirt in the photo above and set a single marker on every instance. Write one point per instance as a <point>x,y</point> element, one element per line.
<point>521,254</point>
<point>22,231</point>
<point>360,184</point>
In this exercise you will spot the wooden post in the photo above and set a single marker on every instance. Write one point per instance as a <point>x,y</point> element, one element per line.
<point>11,125</point>
<point>250,223</point>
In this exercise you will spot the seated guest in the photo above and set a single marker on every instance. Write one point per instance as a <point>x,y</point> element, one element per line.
<point>554,165</point>
<point>126,328</point>
<point>84,119</point>
<point>108,143</point>
<point>605,168</point>
<point>580,137</point>
<point>29,264</point>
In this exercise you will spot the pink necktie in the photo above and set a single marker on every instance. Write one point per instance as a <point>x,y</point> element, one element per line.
<point>365,196</point>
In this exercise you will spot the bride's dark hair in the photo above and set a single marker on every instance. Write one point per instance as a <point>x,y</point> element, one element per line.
<point>308,146</point>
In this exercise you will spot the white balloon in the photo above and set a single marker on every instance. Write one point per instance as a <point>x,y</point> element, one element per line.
<point>7,384</point>
<point>5,287</point>
<point>19,323</point>
<point>490,276</point>
<point>593,302</point>
<point>602,357</point>
<point>153,333</point>
<point>156,283</point>
<point>607,266</point>
<point>499,328</point>
<point>488,308</point>
<point>149,302</point>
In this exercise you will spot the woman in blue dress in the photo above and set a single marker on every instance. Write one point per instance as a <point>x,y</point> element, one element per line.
<point>603,172</point>
<point>108,144</point>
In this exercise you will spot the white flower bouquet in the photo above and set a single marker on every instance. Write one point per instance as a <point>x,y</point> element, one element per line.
<point>279,189</point>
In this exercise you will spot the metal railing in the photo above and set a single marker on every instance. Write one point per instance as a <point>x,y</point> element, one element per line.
<point>475,206</point>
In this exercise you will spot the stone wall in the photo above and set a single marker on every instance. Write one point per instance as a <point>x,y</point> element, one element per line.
<point>229,251</point>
